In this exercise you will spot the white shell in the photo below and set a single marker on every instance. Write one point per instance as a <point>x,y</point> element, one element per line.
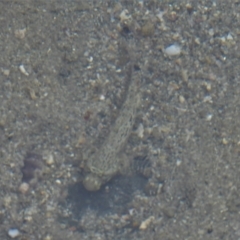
<point>13,233</point>
<point>23,70</point>
<point>173,50</point>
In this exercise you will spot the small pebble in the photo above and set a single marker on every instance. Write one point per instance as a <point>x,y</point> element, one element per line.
<point>184,75</point>
<point>49,159</point>
<point>146,223</point>
<point>173,50</point>
<point>20,33</point>
<point>224,141</point>
<point>24,187</point>
<point>181,99</point>
<point>209,117</point>
<point>140,131</point>
<point>23,70</point>
<point>13,233</point>
<point>124,15</point>
<point>229,37</point>
<point>6,72</point>
<point>48,237</point>
<point>178,162</point>
<point>58,181</point>
<point>102,97</point>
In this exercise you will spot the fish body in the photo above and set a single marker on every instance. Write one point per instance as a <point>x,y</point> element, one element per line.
<point>104,163</point>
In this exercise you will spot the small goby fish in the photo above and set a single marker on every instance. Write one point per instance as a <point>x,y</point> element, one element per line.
<point>104,163</point>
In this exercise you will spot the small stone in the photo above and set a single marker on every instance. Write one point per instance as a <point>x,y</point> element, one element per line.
<point>32,94</point>
<point>81,141</point>
<point>24,187</point>
<point>209,117</point>
<point>173,50</point>
<point>20,33</point>
<point>173,16</point>
<point>189,8</point>
<point>184,75</point>
<point>23,70</point>
<point>58,181</point>
<point>13,233</point>
<point>160,15</point>
<point>3,121</point>
<point>178,162</point>
<point>181,99</point>
<point>49,159</point>
<point>207,99</point>
<point>102,97</point>
<point>197,41</point>
<point>224,141</point>
<point>146,223</point>
<point>48,237</point>
<point>229,37</point>
<point>124,15</point>
<point>6,72</point>
<point>140,131</point>
<point>208,86</point>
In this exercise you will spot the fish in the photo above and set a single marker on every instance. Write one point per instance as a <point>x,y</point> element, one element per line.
<point>104,163</point>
